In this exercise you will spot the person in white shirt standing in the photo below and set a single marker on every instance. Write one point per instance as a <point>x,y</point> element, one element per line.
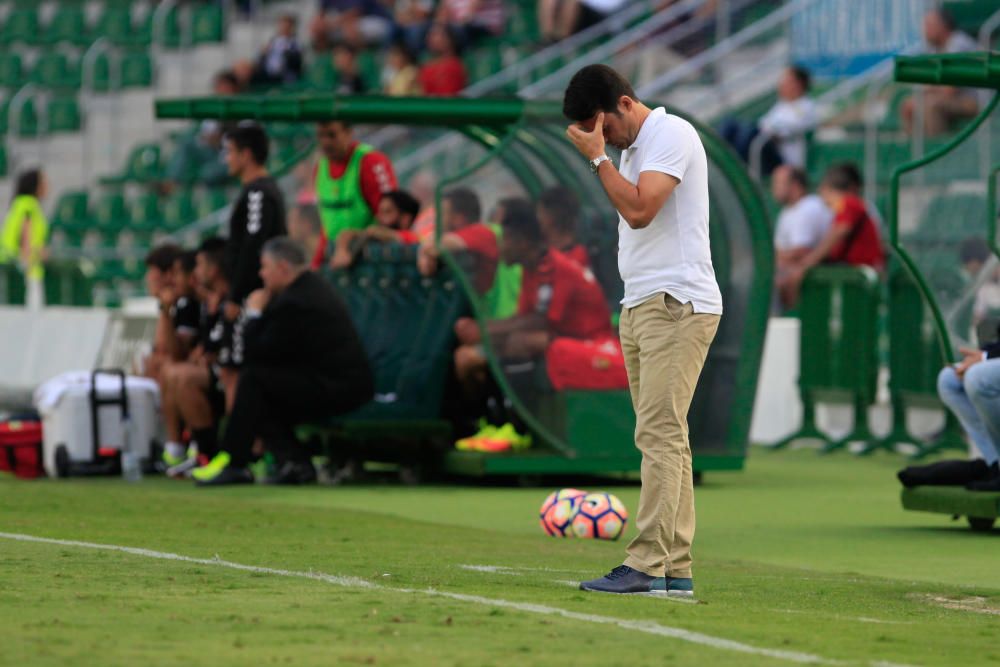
<point>802,223</point>
<point>670,312</point>
<point>785,124</point>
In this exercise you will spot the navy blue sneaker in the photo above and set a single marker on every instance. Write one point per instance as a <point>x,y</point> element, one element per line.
<point>673,587</point>
<point>622,579</point>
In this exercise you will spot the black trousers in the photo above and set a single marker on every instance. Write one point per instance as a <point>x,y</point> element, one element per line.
<point>270,402</point>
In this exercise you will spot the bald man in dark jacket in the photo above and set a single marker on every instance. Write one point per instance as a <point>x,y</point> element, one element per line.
<point>303,361</point>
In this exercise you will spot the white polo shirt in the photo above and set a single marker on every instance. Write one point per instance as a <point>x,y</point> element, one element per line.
<point>802,224</point>
<point>671,254</point>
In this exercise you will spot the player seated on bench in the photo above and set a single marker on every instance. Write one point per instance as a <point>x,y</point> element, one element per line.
<point>159,280</point>
<point>191,393</point>
<point>561,310</point>
<point>393,224</point>
<point>303,362</point>
<point>971,390</point>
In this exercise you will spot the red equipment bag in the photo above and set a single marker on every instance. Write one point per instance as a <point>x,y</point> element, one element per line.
<point>21,447</point>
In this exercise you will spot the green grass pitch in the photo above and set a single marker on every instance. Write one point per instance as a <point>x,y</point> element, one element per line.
<point>799,559</point>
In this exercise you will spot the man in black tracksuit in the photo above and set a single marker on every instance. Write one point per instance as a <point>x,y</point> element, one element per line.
<point>258,215</point>
<point>303,362</point>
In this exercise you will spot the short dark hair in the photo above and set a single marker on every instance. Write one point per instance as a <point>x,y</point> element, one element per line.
<point>404,201</point>
<point>973,250</point>
<point>405,50</point>
<point>252,137</point>
<point>798,175</point>
<point>284,249</point>
<point>849,173</point>
<point>163,256</point>
<point>801,75</point>
<point>28,182</point>
<point>186,260</point>
<point>563,204</point>
<point>346,46</point>
<point>464,202</point>
<point>214,250</point>
<point>840,178</point>
<point>595,88</point>
<point>520,220</point>
<point>228,76</point>
<point>346,124</point>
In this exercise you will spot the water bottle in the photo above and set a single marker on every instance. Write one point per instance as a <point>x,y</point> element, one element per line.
<point>131,467</point>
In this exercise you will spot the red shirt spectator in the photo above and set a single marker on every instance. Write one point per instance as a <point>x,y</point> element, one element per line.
<point>377,175</point>
<point>578,254</point>
<point>480,240</point>
<point>569,297</point>
<point>862,245</point>
<point>444,77</point>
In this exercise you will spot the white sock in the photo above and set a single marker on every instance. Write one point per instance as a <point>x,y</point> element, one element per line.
<point>175,449</point>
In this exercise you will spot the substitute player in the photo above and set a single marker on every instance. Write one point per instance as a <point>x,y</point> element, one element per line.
<point>258,215</point>
<point>670,312</point>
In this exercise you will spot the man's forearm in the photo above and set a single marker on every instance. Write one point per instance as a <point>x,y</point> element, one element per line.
<point>623,195</point>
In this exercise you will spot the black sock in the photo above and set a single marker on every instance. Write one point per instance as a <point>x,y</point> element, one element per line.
<point>207,439</point>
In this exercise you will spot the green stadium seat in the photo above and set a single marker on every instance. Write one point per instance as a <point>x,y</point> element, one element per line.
<point>54,70</point>
<point>68,24</point>
<point>110,213</point>
<point>207,24</point>
<point>27,123</point>
<point>100,74</point>
<point>3,160</point>
<point>143,166</point>
<point>115,24</point>
<point>137,70</point>
<point>145,212</point>
<point>71,209</point>
<point>11,70</point>
<point>170,37</point>
<point>21,26</point>
<point>211,201</point>
<point>321,74</point>
<point>64,115</point>
<point>179,210</point>
<point>952,218</point>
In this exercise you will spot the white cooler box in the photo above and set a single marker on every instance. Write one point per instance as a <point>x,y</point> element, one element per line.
<point>74,443</point>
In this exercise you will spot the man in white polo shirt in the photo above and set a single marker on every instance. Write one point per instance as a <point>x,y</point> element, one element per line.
<point>670,312</point>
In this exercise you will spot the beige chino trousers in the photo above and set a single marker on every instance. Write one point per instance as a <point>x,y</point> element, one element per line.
<point>665,344</point>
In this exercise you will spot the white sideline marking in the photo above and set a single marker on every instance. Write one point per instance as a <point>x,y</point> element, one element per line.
<point>515,571</point>
<point>647,627</point>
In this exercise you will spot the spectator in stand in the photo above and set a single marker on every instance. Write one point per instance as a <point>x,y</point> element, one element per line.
<point>470,20</point>
<point>943,106</point>
<point>853,175</point>
<point>360,23</point>
<point>306,229</point>
<point>401,76</point>
<point>25,233</point>
<point>558,19</point>
<point>350,177</point>
<point>463,232</point>
<point>345,61</point>
<point>304,362</point>
<point>257,215</point>
<point>396,213</point>
<point>192,393</point>
<point>444,75</point>
<point>785,124</point>
<point>558,212</point>
<point>802,224</point>
<point>199,157</point>
<point>411,19</point>
<point>852,239</point>
<point>279,62</point>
